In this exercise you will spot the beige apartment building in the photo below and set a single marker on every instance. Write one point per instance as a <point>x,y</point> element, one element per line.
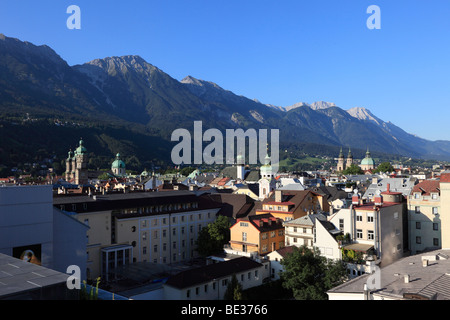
<point>375,228</point>
<point>424,217</point>
<point>125,228</point>
<point>444,186</point>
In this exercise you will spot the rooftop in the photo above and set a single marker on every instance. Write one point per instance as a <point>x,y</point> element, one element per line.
<point>18,277</point>
<point>430,282</point>
<point>211,272</point>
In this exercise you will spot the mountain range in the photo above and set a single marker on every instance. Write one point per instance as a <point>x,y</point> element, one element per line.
<point>117,101</point>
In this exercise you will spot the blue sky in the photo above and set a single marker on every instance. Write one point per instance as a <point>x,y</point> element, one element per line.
<point>279,52</point>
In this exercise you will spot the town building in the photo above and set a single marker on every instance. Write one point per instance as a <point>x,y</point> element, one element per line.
<point>258,234</point>
<point>424,212</point>
<point>210,282</point>
<point>416,277</point>
<point>314,231</point>
<point>375,228</point>
<point>153,227</point>
<point>289,204</point>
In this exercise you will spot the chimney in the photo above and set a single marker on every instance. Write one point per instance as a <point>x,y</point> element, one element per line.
<point>355,199</point>
<point>406,278</point>
<point>378,200</point>
<point>278,196</point>
<point>425,262</point>
<point>388,187</point>
<point>374,180</point>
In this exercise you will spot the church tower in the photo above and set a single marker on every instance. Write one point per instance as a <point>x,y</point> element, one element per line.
<point>267,182</point>
<point>69,166</point>
<point>81,161</point>
<point>240,170</point>
<point>349,160</point>
<point>340,161</point>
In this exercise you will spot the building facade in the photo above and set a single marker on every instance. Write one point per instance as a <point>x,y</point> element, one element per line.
<point>424,223</point>
<point>260,234</point>
<point>155,227</point>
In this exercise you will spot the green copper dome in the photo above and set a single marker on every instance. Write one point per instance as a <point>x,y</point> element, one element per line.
<point>81,149</point>
<point>118,163</point>
<point>368,159</point>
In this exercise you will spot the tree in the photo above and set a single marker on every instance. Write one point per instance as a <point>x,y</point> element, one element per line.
<point>234,290</point>
<point>384,167</point>
<point>212,238</point>
<point>309,275</point>
<point>353,169</point>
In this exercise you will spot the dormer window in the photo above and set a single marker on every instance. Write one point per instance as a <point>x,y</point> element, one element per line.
<point>416,195</point>
<point>434,196</point>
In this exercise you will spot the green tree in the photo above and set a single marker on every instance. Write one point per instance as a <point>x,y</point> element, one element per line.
<point>384,167</point>
<point>212,238</point>
<point>353,169</point>
<point>234,290</point>
<point>309,275</point>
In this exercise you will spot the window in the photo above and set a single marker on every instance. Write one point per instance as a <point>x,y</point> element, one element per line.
<point>133,229</point>
<point>155,248</point>
<point>435,226</point>
<point>358,217</point>
<point>395,215</point>
<point>435,210</point>
<point>264,248</point>
<point>243,224</point>
<point>244,236</point>
<point>144,236</point>
<point>144,250</point>
<point>416,195</point>
<point>224,282</point>
<point>418,225</point>
<point>370,235</point>
<point>264,236</point>
<point>272,234</point>
<point>418,240</point>
<point>341,224</point>
<point>435,242</point>
<point>369,218</point>
<point>434,196</point>
<point>359,234</point>
<point>188,293</point>
<point>417,209</point>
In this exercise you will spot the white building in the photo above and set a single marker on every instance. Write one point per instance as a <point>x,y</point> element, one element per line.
<point>210,282</point>
<point>32,229</point>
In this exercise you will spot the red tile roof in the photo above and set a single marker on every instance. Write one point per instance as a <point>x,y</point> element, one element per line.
<point>427,186</point>
<point>445,177</point>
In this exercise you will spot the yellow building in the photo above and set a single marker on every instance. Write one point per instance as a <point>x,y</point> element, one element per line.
<point>424,218</point>
<point>444,187</point>
<point>257,233</point>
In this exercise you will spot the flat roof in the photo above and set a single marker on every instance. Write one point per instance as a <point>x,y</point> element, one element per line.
<point>17,276</point>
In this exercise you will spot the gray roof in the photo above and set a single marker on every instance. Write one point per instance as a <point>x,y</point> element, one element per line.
<point>307,220</point>
<point>432,281</point>
<point>18,276</point>
<point>403,185</point>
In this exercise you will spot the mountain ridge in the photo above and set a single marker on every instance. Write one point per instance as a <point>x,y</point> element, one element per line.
<point>135,94</point>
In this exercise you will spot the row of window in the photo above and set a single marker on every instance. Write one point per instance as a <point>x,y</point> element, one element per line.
<point>223,283</point>
<point>265,235</point>
<point>435,241</point>
<point>435,210</point>
<point>435,225</point>
<point>434,196</point>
